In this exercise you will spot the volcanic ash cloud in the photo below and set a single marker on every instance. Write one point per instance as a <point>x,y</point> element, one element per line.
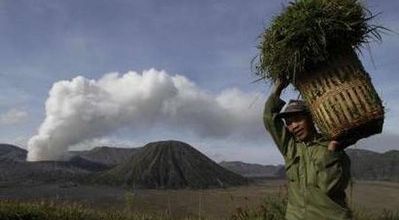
<point>83,109</point>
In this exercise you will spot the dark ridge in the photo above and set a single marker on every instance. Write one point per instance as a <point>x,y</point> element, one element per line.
<point>365,165</point>
<point>10,153</point>
<point>254,170</point>
<point>369,165</point>
<point>82,163</point>
<point>109,156</point>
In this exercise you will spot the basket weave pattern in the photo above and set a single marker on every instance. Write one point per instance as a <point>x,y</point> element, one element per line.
<point>342,99</point>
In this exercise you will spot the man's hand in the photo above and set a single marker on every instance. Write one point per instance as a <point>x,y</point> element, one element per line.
<point>279,85</point>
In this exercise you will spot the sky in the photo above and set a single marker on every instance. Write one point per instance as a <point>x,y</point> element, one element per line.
<point>78,74</point>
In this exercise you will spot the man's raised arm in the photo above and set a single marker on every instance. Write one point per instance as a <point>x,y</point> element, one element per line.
<point>273,124</point>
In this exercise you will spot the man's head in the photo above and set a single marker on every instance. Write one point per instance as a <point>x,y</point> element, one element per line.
<point>298,120</point>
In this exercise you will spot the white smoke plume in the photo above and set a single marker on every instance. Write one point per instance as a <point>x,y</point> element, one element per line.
<point>83,109</point>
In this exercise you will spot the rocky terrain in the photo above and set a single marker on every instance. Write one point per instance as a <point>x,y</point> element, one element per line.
<point>166,164</point>
<point>14,169</point>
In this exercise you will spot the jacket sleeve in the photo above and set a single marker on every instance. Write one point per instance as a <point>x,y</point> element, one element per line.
<point>275,125</point>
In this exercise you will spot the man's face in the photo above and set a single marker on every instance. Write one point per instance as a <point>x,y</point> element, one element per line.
<point>300,125</point>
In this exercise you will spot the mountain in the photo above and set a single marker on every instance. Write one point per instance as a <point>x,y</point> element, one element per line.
<point>369,165</point>
<point>109,156</point>
<point>254,170</point>
<point>170,164</point>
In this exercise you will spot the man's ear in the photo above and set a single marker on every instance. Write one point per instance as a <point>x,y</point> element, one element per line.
<point>309,119</point>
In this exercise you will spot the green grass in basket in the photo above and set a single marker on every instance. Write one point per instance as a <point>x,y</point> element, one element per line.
<point>310,32</point>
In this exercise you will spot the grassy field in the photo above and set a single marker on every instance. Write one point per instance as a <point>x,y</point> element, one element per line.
<point>367,198</point>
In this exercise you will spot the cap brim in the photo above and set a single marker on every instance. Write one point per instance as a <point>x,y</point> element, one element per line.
<point>290,113</point>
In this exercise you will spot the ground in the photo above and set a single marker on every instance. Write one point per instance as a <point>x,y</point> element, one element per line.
<point>211,203</point>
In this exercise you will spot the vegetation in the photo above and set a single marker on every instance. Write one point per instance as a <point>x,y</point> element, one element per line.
<point>309,33</point>
<point>10,210</point>
<point>273,208</point>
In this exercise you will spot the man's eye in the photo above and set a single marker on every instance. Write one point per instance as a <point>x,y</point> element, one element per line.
<point>288,122</point>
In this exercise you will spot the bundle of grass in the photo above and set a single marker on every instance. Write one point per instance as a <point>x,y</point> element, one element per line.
<point>309,33</point>
<point>312,45</point>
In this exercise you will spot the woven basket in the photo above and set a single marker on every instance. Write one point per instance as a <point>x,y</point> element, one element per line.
<point>342,99</point>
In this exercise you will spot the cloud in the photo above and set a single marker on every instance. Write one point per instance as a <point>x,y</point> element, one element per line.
<point>13,117</point>
<point>83,109</point>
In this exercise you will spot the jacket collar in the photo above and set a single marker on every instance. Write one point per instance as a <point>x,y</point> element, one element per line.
<point>317,139</point>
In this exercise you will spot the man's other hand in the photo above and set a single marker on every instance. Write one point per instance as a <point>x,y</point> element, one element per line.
<point>340,145</point>
<point>333,146</point>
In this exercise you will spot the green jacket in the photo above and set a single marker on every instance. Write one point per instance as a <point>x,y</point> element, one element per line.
<point>317,177</point>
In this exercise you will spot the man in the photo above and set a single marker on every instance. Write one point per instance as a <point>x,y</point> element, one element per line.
<point>318,170</point>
